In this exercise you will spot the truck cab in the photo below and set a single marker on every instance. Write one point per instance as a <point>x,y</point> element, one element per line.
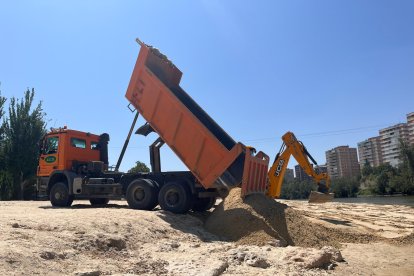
<point>64,149</point>
<point>74,165</point>
<point>69,154</point>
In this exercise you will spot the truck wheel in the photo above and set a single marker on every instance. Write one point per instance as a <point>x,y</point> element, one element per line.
<point>203,204</point>
<point>99,201</point>
<point>59,195</point>
<point>175,197</point>
<point>142,194</point>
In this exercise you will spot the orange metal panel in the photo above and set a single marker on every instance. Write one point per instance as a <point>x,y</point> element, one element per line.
<point>255,173</point>
<point>210,154</point>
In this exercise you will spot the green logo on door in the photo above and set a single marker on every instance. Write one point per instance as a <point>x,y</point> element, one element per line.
<point>50,159</point>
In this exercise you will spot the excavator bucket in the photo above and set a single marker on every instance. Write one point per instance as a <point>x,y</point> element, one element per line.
<point>317,197</point>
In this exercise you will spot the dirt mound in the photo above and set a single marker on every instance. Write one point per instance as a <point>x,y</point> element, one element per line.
<point>406,240</point>
<point>259,220</point>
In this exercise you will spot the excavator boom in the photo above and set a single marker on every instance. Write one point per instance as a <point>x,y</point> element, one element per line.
<point>292,147</point>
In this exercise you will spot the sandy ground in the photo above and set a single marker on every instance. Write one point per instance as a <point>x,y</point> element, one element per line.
<point>36,239</point>
<point>388,221</point>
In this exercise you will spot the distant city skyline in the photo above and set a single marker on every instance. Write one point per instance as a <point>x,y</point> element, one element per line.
<point>346,161</point>
<point>385,148</point>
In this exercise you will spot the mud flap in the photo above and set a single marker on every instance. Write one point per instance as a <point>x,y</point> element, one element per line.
<point>317,197</point>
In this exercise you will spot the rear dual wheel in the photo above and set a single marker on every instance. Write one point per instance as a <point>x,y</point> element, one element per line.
<point>176,197</point>
<point>142,194</point>
<point>203,204</point>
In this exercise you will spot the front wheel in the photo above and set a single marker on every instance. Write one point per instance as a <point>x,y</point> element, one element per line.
<point>59,195</point>
<point>176,197</point>
<point>99,201</point>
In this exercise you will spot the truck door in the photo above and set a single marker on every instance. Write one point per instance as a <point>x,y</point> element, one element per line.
<point>49,157</point>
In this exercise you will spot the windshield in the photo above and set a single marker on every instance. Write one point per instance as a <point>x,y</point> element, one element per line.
<point>51,145</point>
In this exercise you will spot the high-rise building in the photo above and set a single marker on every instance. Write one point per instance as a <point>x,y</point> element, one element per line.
<point>390,142</point>
<point>300,174</point>
<point>289,174</point>
<point>370,151</point>
<point>342,161</point>
<point>410,126</point>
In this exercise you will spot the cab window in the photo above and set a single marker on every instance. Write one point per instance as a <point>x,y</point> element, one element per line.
<point>51,145</point>
<point>78,143</point>
<point>94,146</point>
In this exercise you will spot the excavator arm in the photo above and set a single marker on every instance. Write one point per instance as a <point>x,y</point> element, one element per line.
<point>292,147</point>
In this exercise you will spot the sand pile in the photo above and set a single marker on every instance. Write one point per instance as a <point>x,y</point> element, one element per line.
<point>259,220</point>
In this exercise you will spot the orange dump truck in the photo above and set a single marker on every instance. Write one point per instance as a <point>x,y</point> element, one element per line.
<point>74,164</point>
<point>214,158</point>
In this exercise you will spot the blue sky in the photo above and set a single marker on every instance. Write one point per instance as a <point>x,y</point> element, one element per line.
<point>333,72</point>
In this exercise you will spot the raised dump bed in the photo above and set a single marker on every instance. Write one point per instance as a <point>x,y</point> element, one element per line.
<point>202,145</point>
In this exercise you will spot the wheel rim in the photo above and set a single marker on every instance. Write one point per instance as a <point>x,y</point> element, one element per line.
<point>139,194</point>
<point>58,196</point>
<point>172,197</point>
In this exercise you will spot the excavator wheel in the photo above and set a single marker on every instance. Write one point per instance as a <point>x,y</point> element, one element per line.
<point>142,194</point>
<point>203,204</point>
<point>59,195</point>
<point>176,197</point>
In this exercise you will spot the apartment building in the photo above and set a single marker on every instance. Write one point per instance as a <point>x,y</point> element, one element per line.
<point>342,161</point>
<point>410,126</point>
<point>289,176</point>
<point>300,174</point>
<point>370,151</point>
<point>390,142</point>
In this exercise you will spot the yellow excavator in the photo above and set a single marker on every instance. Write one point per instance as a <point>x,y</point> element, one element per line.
<point>293,147</point>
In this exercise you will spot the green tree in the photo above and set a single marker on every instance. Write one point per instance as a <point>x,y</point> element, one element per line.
<point>345,187</point>
<point>6,183</point>
<point>383,173</point>
<point>366,169</point>
<point>382,183</point>
<point>24,128</point>
<point>403,181</point>
<point>2,102</point>
<point>296,189</point>
<point>383,168</point>
<point>139,168</point>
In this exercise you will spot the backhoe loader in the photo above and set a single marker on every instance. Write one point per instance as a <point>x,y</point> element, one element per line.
<point>291,146</point>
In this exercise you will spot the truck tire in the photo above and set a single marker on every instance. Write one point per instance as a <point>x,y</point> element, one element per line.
<point>203,204</point>
<point>59,195</point>
<point>99,201</point>
<point>142,194</point>
<point>176,197</point>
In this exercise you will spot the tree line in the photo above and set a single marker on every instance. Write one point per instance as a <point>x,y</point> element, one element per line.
<point>382,180</point>
<point>22,125</point>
